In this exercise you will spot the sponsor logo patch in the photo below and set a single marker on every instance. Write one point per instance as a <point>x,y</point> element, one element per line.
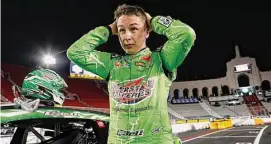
<point>130,133</point>
<point>136,110</point>
<point>119,64</point>
<point>49,76</point>
<point>146,58</point>
<point>100,124</point>
<point>133,91</point>
<point>165,21</point>
<point>56,113</point>
<point>157,130</point>
<point>140,64</point>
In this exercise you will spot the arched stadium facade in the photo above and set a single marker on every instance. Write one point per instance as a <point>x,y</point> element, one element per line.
<point>242,74</point>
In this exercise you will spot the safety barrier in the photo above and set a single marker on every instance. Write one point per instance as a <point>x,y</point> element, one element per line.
<point>190,121</point>
<point>258,121</point>
<point>221,124</point>
<point>266,120</point>
<point>248,120</point>
<point>243,121</point>
<point>179,126</point>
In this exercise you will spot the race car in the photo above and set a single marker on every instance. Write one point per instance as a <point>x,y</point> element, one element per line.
<point>54,125</point>
<point>37,116</point>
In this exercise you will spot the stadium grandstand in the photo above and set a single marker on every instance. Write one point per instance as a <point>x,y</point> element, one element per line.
<point>93,94</point>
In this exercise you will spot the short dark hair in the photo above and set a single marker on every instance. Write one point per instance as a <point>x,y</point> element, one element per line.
<point>125,9</point>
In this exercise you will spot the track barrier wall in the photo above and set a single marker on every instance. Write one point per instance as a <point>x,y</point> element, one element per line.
<point>179,126</point>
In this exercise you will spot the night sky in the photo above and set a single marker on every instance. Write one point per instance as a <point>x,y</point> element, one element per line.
<point>31,28</point>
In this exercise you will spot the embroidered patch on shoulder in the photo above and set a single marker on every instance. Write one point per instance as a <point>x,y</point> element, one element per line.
<point>165,21</point>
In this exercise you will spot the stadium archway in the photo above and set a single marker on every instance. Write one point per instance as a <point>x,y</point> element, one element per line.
<point>215,91</point>
<point>185,93</point>
<point>195,93</point>
<point>205,92</point>
<point>265,85</point>
<point>176,93</point>
<point>243,80</point>
<point>225,90</point>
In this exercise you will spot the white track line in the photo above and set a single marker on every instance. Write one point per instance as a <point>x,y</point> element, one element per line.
<point>206,134</point>
<point>246,130</point>
<point>229,137</point>
<point>257,140</point>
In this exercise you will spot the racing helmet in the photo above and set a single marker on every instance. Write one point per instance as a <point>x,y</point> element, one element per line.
<point>46,85</point>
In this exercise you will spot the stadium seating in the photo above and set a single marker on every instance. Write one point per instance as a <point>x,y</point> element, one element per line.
<point>237,110</point>
<point>87,90</point>
<point>184,101</point>
<point>17,72</point>
<point>188,110</point>
<point>6,90</point>
<point>267,106</point>
<point>91,102</point>
<point>195,110</point>
<point>254,105</point>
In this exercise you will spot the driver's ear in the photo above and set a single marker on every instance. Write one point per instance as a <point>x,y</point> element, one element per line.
<point>147,34</point>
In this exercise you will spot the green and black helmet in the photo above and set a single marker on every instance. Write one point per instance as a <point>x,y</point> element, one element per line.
<point>46,85</point>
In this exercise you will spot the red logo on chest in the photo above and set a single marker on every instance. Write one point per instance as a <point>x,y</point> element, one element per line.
<point>146,58</point>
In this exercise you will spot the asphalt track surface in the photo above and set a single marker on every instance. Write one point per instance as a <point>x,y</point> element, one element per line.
<point>237,135</point>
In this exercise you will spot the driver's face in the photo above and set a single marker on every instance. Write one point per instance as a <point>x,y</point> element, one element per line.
<point>132,33</point>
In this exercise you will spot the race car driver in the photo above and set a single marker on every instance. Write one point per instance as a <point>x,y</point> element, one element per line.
<point>139,81</point>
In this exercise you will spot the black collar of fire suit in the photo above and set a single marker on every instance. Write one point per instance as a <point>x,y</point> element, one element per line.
<point>143,51</point>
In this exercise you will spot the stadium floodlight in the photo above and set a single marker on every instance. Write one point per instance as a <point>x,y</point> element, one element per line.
<point>49,60</point>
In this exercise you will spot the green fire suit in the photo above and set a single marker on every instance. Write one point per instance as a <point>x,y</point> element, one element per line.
<point>138,84</point>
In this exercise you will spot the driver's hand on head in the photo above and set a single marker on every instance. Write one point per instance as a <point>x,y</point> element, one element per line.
<point>113,27</point>
<point>149,21</point>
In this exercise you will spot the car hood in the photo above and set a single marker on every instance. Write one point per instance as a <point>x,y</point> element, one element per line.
<point>9,113</point>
